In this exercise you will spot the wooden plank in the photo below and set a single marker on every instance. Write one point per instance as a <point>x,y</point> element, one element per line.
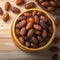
<point>7,45</point>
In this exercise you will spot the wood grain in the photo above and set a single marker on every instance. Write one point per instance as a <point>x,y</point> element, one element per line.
<point>8,50</point>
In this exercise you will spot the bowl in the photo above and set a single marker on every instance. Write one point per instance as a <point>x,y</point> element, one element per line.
<point>21,46</point>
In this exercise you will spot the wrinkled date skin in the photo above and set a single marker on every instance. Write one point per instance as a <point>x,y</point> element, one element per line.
<point>30,5</point>
<point>15,10</point>
<point>1,11</point>
<point>50,5</point>
<point>34,29</point>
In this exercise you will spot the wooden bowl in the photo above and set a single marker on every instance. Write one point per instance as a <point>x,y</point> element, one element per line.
<point>15,38</point>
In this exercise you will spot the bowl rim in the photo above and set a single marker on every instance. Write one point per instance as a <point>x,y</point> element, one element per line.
<point>34,49</point>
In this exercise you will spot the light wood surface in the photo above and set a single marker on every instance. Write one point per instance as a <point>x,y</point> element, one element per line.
<point>8,50</point>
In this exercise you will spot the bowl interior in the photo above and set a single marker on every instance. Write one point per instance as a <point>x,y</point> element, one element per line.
<point>34,49</point>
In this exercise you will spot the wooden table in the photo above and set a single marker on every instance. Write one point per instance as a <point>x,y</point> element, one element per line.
<point>8,50</point>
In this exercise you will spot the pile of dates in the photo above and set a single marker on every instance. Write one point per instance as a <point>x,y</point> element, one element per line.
<point>50,5</point>
<point>33,29</point>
